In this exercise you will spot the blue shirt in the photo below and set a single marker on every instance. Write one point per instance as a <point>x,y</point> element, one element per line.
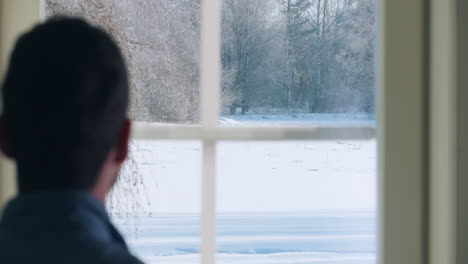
<point>60,227</point>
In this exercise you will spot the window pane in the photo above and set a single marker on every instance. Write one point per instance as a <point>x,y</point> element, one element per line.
<point>297,202</point>
<point>159,40</point>
<point>156,203</point>
<point>298,62</point>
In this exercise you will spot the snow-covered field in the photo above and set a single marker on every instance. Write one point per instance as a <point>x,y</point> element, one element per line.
<point>276,258</point>
<point>278,202</point>
<point>299,119</point>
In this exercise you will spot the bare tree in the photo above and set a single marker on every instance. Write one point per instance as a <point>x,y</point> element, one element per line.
<point>246,36</point>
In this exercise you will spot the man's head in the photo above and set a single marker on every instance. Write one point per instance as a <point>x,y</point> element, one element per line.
<point>65,99</point>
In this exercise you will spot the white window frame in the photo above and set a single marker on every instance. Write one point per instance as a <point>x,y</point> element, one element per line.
<point>401,131</point>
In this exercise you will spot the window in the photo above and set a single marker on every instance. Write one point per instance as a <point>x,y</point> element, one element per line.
<point>402,126</point>
<point>263,152</point>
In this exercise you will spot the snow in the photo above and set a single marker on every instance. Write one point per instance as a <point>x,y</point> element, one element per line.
<point>299,119</point>
<point>286,120</point>
<point>277,258</point>
<point>271,176</point>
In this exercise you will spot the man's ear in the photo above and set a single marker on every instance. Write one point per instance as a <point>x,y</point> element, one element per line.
<point>123,141</point>
<point>4,144</point>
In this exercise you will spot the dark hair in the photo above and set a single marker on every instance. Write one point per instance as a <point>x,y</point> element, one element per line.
<point>65,99</point>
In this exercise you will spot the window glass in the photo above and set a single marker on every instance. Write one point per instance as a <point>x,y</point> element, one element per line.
<point>156,204</point>
<point>160,42</point>
<point>298,62</point>
<point>297,202</point>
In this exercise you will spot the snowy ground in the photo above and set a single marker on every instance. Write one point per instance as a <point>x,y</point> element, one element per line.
<point>277,258</point>
<point>299,119</point>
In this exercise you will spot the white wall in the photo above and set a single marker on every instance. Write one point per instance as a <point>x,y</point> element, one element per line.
<point>15,17</point>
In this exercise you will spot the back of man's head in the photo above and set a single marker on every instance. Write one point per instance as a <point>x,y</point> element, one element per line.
<point>65,98</point>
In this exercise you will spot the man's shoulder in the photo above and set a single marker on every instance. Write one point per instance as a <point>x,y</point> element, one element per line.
<point>117,255</point>
<point>106,253</point>
<point>78,231</point>
<point>116,258</point>
<point>64,251</point>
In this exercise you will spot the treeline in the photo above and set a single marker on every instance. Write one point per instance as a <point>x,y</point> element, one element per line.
<point>310,55</point>
<point>295,55</point>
